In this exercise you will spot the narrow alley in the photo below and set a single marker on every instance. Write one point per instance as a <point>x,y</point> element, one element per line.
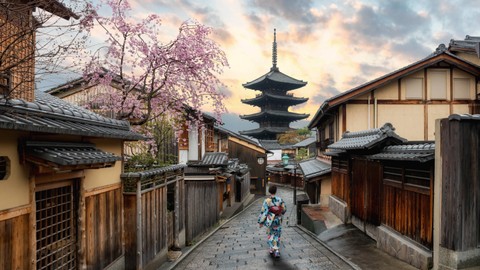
<point>241,244</point>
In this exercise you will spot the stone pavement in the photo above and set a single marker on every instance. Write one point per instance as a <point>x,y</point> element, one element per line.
<point>241,244</point>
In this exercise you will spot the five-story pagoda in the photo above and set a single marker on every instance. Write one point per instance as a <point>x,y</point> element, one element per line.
<point>274,117</point>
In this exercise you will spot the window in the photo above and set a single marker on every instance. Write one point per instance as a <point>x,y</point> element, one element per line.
<point>5,86</point>
<point>414,88</point>
<point>438,85</point>
<point>330,131</point>
<point>461,88</point>
<point>4,168</point>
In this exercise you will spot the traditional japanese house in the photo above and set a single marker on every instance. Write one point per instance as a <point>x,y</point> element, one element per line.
<point>63,166</point>
<point>384,186</point>
<point>317,180</point>
<point>410,98</point>
<point>210,186</point>
<point>247,151</point>
<point>274,101</point>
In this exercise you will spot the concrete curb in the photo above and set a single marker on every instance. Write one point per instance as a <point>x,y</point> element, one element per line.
<point>314,236</point>
<point>184,255</point>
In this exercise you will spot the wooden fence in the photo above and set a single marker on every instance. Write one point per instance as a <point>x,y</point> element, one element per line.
<point>340,179</point>
<point>103,225</point>
<point>407,205</point>
<point>201,207</point>
<point>14,238</point>
<point>145,214</point>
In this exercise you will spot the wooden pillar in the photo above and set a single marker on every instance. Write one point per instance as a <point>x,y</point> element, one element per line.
<point>139,224</point>
<point>32,225</point>
<point>82,242</point>
<point>176,224</point>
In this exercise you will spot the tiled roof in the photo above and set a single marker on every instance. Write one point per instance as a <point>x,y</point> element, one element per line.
<point>49,114</point>
<point>214,159</point>
<point>265,130</point>
<point>152,172</point>
<point>62,153</point>
<point>440,54</point>
<point>238,136</point>
<point>306,142</point>
<point>276,80</point>
<point>460,117</point>
<point>270,113</point>
<point>407,152</point>
<point>469,44</point>
<point>313,168</point>
<point>272,145</point>
<point>275,98</point>
<point>367,139</point>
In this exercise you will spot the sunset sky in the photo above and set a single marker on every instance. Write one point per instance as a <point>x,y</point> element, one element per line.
<point>333,45</point>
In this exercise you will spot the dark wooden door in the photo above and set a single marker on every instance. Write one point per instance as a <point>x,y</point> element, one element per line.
<point>359,188</point>
<point>365,193</point>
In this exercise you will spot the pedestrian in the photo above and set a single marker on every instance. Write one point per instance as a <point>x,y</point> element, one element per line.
<point>270,216</point>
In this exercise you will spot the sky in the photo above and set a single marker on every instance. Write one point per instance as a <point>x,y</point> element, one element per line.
<point>332,45</point>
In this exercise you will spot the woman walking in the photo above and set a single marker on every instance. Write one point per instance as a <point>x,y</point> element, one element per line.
<point>271,214</point>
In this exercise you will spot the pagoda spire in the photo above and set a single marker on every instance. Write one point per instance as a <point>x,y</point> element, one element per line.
<point>274,50</point>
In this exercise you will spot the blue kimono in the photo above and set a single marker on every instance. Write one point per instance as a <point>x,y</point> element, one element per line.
<point>272,221</point>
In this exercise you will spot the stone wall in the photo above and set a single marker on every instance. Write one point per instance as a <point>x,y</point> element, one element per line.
<point>339,208</point>
<point>403,248</point>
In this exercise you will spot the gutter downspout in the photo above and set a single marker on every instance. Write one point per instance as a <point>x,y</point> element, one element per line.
<point>375,114</point>
<point>368,112</point>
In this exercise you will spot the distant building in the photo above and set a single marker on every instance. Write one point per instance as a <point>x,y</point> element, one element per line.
<point>274,101</point>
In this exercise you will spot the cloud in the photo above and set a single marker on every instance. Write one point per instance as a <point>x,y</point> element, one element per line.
<point>391,19</point>
<point>326,89</point>
<point>294,11</point>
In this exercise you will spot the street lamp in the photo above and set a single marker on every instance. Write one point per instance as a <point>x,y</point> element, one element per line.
<point>285,159</point>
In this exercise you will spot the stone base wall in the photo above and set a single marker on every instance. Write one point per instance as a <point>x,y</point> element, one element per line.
<point>403,248</point>
<point>450,259</point>
<point>367,228</point>
<point>339,208</point>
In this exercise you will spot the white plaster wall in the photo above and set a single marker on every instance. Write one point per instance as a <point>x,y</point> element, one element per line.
<point>14,190</point>
<point>406,119</point>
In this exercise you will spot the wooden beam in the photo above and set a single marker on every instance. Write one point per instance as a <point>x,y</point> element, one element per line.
<point>15,212</point>
<point>404,72</point>
<point>82,234</point>
<point>103,189</point>
<point>53,177</point>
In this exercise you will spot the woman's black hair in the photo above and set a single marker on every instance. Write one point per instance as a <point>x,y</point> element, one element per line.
<point>272,189</point>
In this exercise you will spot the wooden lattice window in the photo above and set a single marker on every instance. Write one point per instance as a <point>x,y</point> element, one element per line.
<point>4,168</point>
<point>418,177</point>
<point>56,228</point>
<point>210,139</point>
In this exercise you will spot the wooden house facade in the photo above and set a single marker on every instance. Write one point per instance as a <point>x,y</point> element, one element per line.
<point>411,98</point>
<point>61,189</point>
<point>384,186</point>
<point>248,152</point>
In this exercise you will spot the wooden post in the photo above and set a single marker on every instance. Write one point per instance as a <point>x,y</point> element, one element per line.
<point>82,243</point>
<point>139,224</point>
<point>176,224</point>
<point>33,225</point>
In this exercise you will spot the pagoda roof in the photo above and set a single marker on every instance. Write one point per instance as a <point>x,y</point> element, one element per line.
<point>259,99</point>
<point>264,131</point>
<point>275,79</point>
<point>273,113</point>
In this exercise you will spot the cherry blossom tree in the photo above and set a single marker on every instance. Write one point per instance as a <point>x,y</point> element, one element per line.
<point>153,79</point>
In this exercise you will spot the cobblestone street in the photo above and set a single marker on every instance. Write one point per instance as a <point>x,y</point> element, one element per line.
<point>241,244</point>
